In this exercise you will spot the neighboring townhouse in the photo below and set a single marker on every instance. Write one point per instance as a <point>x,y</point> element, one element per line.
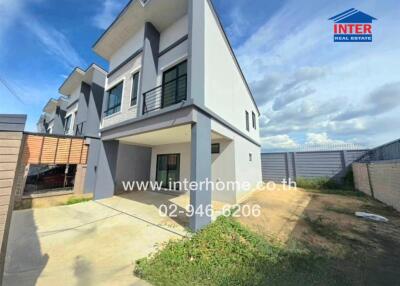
<point>77,114</point>
<point>84,91</point>
<point>52,119</point>
<point>177,105</point>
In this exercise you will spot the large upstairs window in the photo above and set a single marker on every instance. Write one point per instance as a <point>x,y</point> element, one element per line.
<point>174,85</point>
<point>114,99</point>
<point>172,91</point>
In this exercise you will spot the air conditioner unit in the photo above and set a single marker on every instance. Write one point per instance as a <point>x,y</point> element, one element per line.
<point>144,2</point>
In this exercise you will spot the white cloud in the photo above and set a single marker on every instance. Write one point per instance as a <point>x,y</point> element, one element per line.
<point>381,100</point>
<point>279,142</point>
<point>303,81</point>
<point>107,14</point>
<point>9,13</point>
<point>55,42</point>
<point>321,139</point>
<point>239,24</point>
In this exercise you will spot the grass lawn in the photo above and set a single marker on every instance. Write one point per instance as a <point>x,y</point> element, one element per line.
<point>325,244</point>
<point>77,200</point>
<point>227,253</point>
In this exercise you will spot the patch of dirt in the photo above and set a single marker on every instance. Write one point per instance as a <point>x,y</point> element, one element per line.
<point>367,252</point>
<point>280,212</point>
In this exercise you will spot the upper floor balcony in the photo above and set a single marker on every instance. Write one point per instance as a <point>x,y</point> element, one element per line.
<point>172,91</point>
<point>147,50</point>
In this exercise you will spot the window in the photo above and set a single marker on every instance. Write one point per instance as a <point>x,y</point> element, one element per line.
<point>254,120</point>
<point>215,148</point>
<point>135,88</point>
<point>250,157</point>
<point>247,122</point>
<point>114,99</point>
<point>75,121</point>
<point>167,169</point>
<point>67,124</point>
<point>174,86</point>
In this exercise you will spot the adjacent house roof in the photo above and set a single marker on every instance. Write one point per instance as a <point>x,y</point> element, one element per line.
<point>76,77</point>
<point>50,106</point>
<point>352,16</point>
<point>160,13</point>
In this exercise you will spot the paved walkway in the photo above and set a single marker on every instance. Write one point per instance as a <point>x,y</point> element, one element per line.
<point>93,243</point>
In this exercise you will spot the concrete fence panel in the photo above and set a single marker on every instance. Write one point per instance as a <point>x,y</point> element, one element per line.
<point>310,164</point>
<point>385,182</point>
<point>380,179</point>
<point>361,178</point>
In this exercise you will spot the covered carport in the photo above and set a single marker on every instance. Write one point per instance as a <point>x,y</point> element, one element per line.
<point>196,129</point>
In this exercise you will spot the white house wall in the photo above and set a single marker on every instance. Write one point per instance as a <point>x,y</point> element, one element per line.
<point>174,33</point>
<point>75,94</point>
<point>124,74</point>
<point>244,170</point>
<point>170,59</point>
<point>223,170</point>
<point>226,93</point>
<point>127,49</point>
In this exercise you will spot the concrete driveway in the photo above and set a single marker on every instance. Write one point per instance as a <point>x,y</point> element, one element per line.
<point>93,243</point>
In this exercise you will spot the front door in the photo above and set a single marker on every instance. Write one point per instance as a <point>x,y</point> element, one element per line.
<point>167,169</point>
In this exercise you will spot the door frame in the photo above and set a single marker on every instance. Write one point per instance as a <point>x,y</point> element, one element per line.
<point>178,164</point>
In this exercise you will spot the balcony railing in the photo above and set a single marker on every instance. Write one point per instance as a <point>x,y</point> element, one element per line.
<point>167,94</point>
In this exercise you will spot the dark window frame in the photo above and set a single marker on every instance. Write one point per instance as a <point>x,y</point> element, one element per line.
<point>176,80</point>
<point>253,115</point>
<point>68,121</point>
<point>178,164</point>
<point>134,95</point>
<point>110,110</point>
<point>218,146</point>
<point>247,121</point>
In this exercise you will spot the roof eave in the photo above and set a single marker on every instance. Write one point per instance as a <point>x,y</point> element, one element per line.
<point>96,45</point>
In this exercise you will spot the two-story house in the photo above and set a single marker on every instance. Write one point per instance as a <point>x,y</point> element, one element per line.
<point>77,113</point>
<point>177,105</point>
<point>52,119</point>
<point>84,91</point>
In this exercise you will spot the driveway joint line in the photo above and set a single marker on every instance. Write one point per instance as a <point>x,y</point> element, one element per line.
<point>52,232</point>
<point>144,220</point>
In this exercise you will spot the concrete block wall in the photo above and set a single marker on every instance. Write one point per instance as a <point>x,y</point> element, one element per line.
<point>10,143</point>
<point>361,178</point>
<point>11,136</point>
<point>79,185</point>
<point>380,179</point>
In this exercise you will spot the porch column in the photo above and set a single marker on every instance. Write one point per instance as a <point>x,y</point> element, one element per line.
<point>200,198</point>
<point>106,170</point>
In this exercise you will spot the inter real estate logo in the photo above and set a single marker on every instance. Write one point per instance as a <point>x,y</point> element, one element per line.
<point>352,26</point>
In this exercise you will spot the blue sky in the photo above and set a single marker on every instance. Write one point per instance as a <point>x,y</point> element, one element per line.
<point>309,89</point>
